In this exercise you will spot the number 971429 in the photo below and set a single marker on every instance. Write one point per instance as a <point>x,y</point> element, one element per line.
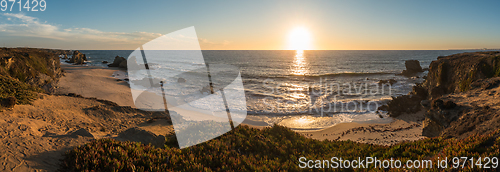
<point>23,5</point>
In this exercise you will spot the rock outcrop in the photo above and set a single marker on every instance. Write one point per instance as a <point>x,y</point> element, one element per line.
<point>455,73</point>
<point>81,132</point>
<point>459,115</point>
<point>388,81</point>
<point>38,68</point>
<point>123,63</point>
<point>136,134</point>
<point>412,68</point>
<point>460,94</point>
<point>77,58</point>
<point>118,60</point>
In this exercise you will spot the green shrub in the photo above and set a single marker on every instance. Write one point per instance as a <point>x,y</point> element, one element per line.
<point>23,92</point>
<point>272,149</point>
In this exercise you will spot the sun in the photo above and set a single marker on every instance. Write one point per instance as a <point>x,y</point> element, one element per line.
<point>299,39</point>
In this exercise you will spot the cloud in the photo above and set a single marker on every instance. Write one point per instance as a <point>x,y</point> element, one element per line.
<point>24,28</point>
<point>206,43</point>
<point>21,25</point>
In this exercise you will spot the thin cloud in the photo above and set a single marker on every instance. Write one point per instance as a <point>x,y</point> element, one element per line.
<point>21,25</point>
<point>26,26</point>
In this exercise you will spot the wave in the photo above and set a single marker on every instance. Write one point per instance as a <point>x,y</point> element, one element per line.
<point>347,74</point>
<point>322,75</point>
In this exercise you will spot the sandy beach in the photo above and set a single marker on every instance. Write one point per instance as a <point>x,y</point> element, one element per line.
<point>91,81</point>
<point>407,127</point>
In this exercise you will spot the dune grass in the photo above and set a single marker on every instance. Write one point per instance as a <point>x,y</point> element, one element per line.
<point>273,149</point>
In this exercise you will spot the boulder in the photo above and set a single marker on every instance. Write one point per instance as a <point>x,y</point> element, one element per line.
<point>118,60</point>
<point>388,81</point>
<point>412,68</point>
<point>78,58</point>
<point>81,132</point>
<point>105,62</point>
<point>402,104</point>
<point>136,134</point>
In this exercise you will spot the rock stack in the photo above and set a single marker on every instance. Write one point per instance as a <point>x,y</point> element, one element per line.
<point>412,68</point>
<point>78,58</point>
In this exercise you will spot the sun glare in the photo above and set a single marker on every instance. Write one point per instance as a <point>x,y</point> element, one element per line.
<point>299,39</point>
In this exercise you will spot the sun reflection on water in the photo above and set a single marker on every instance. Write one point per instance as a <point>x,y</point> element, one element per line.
<point>299,63</point>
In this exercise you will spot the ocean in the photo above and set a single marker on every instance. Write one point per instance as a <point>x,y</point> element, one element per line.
<point>306,90</point>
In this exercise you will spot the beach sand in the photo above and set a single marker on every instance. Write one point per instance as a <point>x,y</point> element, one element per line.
<point>93,81</point>
<point>406,127</point>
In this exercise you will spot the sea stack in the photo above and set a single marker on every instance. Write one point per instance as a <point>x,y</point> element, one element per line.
<point>412,68</point>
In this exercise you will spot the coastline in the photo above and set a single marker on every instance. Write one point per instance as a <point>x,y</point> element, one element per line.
<point>36,135</point>
<point>94,81</point>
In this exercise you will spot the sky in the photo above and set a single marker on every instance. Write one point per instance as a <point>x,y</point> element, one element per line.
<point>257,25</point>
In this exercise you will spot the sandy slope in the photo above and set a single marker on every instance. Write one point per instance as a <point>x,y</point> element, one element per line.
<point>34,137</point>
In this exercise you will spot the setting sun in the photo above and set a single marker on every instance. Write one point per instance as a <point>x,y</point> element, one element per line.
<point>299,39</point>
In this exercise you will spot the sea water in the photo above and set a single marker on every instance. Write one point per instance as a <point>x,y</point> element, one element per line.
<point>311,89</point>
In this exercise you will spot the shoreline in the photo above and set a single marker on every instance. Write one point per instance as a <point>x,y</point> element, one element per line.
<point>95,81</point>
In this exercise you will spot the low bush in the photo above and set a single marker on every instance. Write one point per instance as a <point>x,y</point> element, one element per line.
<point>273,149</point>
<point>23,92</point>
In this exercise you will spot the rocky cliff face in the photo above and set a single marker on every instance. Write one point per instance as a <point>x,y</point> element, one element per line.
<point>455,73</point>
<point>28,69</point>
<point>460,95</point>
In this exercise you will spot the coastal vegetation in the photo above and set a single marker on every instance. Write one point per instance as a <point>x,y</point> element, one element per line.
<point>272,149</point>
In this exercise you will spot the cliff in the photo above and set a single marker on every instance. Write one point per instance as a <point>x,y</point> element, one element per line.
<point>455,73</point>
<point>26,71</point>
<point>460,96</point>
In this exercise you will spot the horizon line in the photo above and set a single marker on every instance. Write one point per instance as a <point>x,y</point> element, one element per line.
<point>272,49</point>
